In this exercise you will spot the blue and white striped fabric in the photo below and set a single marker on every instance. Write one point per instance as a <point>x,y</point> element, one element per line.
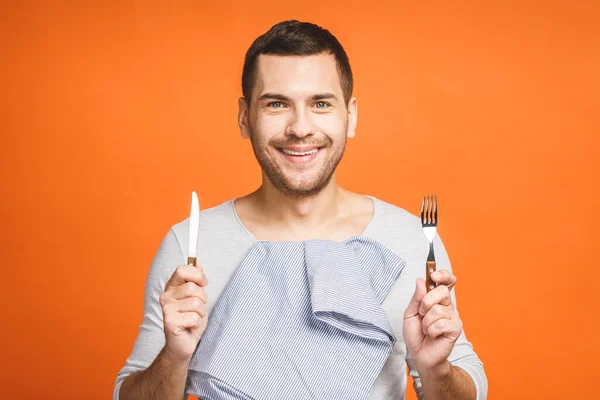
<point>299,320</point>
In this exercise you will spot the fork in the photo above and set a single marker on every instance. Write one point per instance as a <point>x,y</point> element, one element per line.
<point>429,223</point>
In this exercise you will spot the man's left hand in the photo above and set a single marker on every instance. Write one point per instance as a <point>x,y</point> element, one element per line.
<point>432,324</point>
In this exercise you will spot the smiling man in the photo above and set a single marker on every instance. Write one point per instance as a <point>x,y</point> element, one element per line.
<point>302,288</point>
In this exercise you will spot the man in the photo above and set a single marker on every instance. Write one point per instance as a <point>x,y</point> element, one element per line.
<point>298,112</point>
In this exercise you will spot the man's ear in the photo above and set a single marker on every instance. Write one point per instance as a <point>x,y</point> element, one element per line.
<point>352,117</point>
<point>243,118</point>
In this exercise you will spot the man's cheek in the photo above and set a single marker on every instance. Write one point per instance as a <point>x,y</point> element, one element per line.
<point>270,127</point>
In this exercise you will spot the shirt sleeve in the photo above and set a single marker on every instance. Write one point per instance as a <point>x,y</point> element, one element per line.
<point>462,355</point>
<point>151,337</point>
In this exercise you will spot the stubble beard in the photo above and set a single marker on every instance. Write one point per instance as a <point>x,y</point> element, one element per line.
<point>286,186</point>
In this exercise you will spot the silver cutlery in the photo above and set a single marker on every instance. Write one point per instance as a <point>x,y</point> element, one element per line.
<point>429,223</point>
<point>194,220</point>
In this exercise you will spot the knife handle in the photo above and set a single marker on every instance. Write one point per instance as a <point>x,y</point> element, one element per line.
<point>430,270</point>
<point>192,261</point>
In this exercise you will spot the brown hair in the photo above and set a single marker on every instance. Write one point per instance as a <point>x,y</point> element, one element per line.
<point>295,38</point>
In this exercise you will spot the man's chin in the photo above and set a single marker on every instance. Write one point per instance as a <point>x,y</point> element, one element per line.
<point>300,190</point>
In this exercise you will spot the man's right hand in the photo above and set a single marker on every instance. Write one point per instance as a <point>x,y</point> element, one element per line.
<point>184,311</point>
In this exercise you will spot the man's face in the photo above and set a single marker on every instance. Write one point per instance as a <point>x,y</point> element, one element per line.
<point>298,121</point>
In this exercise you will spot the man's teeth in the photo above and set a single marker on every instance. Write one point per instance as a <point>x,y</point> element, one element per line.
<point>295,153</point>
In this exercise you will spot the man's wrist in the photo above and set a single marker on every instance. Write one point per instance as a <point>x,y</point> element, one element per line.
<point>438,373</point>
<point>446,381</point>
<point>174,361</point>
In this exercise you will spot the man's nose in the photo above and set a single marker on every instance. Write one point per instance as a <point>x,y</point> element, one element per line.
<point>301,124</point>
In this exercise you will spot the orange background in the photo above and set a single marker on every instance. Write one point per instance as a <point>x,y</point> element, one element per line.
<point>113,113</point>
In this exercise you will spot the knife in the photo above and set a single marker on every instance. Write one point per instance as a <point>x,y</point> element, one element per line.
<point>194,220</point>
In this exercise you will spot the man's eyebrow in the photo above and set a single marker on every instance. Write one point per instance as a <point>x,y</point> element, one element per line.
<point>277,96</point>
<point>274,96</point>
<point>324,96</point>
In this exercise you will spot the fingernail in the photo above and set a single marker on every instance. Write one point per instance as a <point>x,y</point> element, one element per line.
<point>436,275</point>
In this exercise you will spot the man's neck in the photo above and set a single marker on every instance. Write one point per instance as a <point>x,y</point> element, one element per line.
<point>304,213</point>
<point>334,214</point>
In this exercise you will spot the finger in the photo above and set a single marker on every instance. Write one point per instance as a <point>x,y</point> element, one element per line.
<point>414,304</point>
<point>191,304</point>
<point>444,277</point>
<point>174,309</point>
<point>201,268</point>
<point>189,289</point>
<point>176,322</point>
<point>439,295</point>
<point>437,312</point>
<point>450,328</point>
<point>186,273</point>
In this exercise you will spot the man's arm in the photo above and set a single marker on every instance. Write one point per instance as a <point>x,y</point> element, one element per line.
<point>164,379</point>
<point>151,372</point>
<point>461,375</point>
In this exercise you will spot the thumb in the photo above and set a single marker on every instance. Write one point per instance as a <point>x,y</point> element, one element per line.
<point>420,292</point>
<point>201,268</point>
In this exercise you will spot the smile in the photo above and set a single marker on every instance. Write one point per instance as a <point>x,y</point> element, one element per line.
<point>300,156</point>
<point>297,153</point>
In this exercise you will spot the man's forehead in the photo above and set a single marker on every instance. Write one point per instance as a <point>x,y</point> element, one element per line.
<point>277,73</point>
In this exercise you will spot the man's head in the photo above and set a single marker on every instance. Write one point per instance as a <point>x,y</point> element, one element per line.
<point>297,108</point>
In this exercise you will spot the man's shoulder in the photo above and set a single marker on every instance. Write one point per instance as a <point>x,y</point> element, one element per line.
<point>393,215</point>
<point>218,215</point>
<point>395,227</point>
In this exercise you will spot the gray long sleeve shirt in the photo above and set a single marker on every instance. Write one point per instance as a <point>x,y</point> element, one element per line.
<point>223,243</point>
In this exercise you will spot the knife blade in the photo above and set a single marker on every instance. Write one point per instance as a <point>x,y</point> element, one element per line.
<point>194,220</point>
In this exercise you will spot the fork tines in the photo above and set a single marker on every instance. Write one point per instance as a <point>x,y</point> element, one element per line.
<point>429,211</point>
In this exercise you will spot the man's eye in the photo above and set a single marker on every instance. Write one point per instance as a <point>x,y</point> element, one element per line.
<point>322,104</point>
<point>275,104</point>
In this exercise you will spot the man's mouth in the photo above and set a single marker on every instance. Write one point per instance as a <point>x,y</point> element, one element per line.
<point>300,154</point>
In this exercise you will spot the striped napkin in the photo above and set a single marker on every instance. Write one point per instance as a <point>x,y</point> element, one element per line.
<point>299,320</point>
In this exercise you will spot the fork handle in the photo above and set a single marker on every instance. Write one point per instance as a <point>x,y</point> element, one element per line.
<point>430,270</point>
